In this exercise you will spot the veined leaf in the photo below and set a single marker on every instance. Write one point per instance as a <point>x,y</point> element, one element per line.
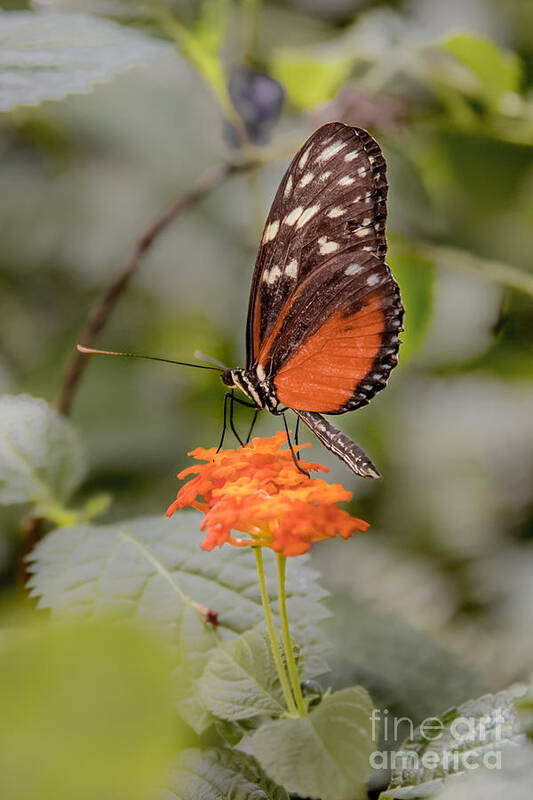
<point>218,774</point>
<point>467,736</point>
<point>41,457</point>
<point>153,567</point>
<point>45,56</point>
<point>324,755</point>
<point>240,680</point>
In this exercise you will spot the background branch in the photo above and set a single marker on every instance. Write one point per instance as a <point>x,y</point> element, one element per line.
<point>102,309</point>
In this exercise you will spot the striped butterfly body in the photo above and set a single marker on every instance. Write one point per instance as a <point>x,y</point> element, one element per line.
<point>325,310</point>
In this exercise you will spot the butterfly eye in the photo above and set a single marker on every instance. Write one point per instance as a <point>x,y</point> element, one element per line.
<point>227,377</point>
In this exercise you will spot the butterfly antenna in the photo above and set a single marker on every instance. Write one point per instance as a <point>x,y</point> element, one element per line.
<point>91,351</point>
<point>202,357</point>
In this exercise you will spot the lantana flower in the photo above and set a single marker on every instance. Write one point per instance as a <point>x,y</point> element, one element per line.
<point>257,490</point>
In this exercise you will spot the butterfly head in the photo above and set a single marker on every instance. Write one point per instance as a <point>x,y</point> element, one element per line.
<point>258,388</point>
<point>228,379</point>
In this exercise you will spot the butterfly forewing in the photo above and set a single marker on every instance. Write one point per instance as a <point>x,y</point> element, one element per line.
<point>325,310</point>
<point>332,197</point>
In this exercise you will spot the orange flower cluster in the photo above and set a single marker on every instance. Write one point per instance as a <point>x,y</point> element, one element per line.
<point>257,490</point>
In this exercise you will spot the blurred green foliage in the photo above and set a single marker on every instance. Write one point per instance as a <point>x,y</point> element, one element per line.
<point>81,704</point>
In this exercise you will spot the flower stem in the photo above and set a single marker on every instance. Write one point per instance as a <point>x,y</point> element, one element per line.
<point>289,652</point>
<point>274,643</point>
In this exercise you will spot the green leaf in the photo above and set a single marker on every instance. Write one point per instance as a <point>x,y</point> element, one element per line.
<point>218,774</point>
<point>416,277</point>
<point>463,737</point>
<point>325,754</point>
<point>154,568</point>
<point>240,680</point>
<point>46,56</point>
<point>41,457</point>
<point>513,780</point>
<point>405,671</point>
<point>201,44</point>
<point>86,713</point>
<point>496,72</point>
<point>308,80</point>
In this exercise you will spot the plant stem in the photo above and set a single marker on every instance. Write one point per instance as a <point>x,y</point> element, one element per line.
<point>289,652</point>
<point>274,643</point>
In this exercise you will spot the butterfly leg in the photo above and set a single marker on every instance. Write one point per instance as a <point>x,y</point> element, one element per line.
<point>252,425</point>
<point>225,423</point>
<point>232,401</point>
<point>296,431</point>
<point>294,457</point>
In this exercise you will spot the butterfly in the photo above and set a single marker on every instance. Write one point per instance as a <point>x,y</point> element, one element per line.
<point>325,311</point>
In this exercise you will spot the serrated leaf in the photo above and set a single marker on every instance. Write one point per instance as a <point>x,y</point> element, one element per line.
<point>218,774</point>
<point>324,755</point>
<point>86,713</point>
<point>309,81</point>
<point>468,733</point>
<point>45,56</point>
<point>41,457</point>
<point>151,565</point>
<point>240,679</point>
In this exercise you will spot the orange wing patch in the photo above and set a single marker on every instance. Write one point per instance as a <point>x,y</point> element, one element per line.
<point>323,374</point>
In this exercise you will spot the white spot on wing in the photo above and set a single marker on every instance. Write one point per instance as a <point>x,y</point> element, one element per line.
<point>307,178</point>
<point>346,181</point>
<point>303,160</point>
<point>293,215</point>
<point>373,279</point>
<point>367,221</point>
<point>330,151</point>
<point>353,269</point>
<point>336,212</point>
<point>361,171</point>
<point>325,175</point>
<point>351,156</point>
<point>288,187</point>
<point>362,232</point>
<point>272,275</point>
<point>326,246</point>
<point>291,270</point>
<point>307,215</point>
<point>271,231</point>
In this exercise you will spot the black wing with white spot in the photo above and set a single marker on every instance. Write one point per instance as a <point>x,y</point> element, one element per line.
<point>331,201</point>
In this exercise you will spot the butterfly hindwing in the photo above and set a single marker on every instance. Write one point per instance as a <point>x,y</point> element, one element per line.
<point>332,198</point>
<point>335,343</point>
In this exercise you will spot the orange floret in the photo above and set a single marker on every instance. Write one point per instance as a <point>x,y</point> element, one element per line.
<point>257,490</point>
